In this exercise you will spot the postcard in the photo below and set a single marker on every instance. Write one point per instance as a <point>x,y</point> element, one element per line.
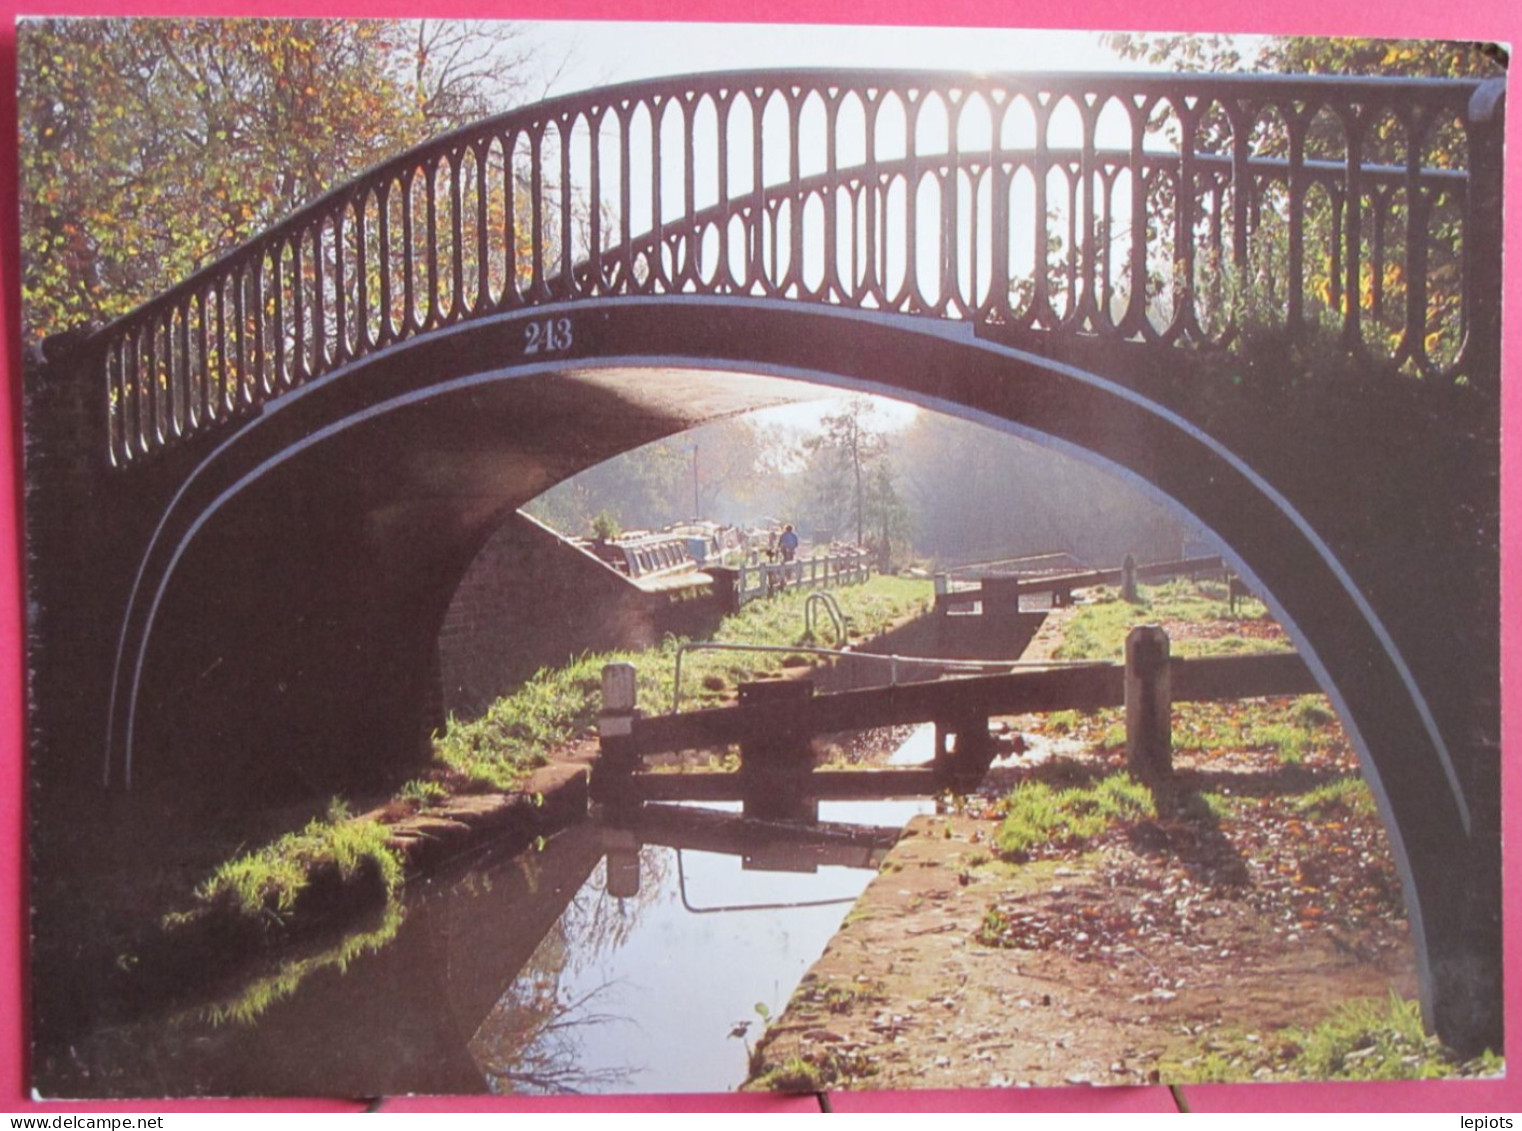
<point>672,558</point>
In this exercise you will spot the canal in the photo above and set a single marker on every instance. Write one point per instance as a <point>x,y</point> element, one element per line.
<point>637,955</point>
<point>663,990</point>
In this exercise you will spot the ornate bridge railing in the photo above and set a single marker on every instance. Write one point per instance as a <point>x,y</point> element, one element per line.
<point>1164,209</point>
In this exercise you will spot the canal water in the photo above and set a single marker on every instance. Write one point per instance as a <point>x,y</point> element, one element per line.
<point>634,958</point>
<point>664,991</point>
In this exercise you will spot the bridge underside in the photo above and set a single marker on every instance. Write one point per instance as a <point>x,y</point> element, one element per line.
<point>284,597</point>
<point>299,636</point>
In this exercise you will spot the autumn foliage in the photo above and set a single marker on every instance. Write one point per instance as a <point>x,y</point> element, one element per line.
<point>150,147</point>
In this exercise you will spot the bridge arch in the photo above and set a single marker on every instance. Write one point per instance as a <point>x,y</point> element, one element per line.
<point>431,384</point>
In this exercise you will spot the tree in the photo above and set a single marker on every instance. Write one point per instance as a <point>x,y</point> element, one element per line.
<point>975,493</point>
<point>1445,146</point>
<point>849,442</point>
<point>1315,55</point>
<point>1394,216</point>
<point>150,147</point>
<point>887,512</point>
<point>605,527</point>
<point>652,485</point>
<point>730,459</point>
<point>464,70</point>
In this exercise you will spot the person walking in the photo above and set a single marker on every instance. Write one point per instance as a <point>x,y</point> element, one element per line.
<point>788,543</point>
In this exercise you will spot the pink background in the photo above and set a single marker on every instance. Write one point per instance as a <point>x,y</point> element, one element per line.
<point>1499,20</point>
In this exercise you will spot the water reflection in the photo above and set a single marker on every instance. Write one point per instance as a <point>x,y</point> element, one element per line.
<point>626,957</point>
<point>532,1039</point>
<point>673,953</point>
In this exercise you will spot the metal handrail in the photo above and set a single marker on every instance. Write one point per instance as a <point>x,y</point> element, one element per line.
<point>831,606</point>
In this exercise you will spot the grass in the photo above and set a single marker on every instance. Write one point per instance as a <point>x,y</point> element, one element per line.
<point>1036,815</point>
<point>1294,730</point>
<point>818,1071</point>
<point>1376,1040</point>
<point>517,734</point>
<point>811,997</point>
<point>793,1075</point>
<point>269,880</point>
<point>421,793</point>
<point>1098,629</point>
<point>555,707</point>
<point>1344,796</point>
<point>1365,1039</point>
<point>1313,711</point>
<point>1063,722</point>
<point>1289,743</point>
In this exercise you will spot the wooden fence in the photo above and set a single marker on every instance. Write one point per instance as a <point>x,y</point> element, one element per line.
<point>751,581</point>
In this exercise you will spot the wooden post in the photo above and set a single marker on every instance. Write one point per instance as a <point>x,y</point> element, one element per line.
<point>1128,580</point>
<point>1236,591</point>
<point>615,726</point>
<point>1001,596</point>
<point>728,586</point>
<point>941,762</point>
<point>1149,705</point>
<point>776,757</point>
<point>963,751</point>
<point>942,594</point>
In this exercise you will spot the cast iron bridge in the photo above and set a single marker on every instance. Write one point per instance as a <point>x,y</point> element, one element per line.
<point>1122,208</point>
<point>275,473</point>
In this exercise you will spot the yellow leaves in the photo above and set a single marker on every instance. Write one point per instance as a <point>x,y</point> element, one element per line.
<point>1399,55</point>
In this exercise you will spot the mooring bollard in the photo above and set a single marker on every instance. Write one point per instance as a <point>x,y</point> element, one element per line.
<point>1236,590</point>
<point>619,689</point>
<point>1149,705</point>
<point>615,726</point>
